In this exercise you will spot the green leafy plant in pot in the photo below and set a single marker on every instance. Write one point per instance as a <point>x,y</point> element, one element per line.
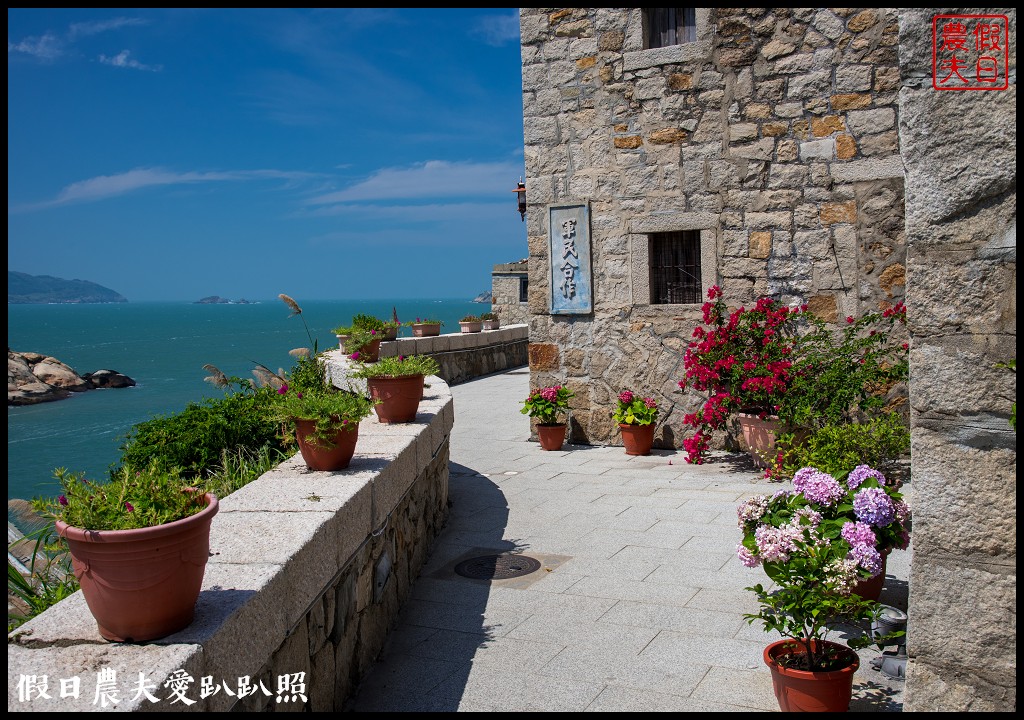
<point>139,546</point>
<point>396,383</point>
<point>636,416</point>
<point>546,406</point>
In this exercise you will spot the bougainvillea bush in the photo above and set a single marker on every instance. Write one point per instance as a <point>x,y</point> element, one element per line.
<point>784,362</point>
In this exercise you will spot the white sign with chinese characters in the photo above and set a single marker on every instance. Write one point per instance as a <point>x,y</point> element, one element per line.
<point>569,245</point>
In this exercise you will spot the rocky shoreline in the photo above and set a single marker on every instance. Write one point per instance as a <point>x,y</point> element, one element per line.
<point>36,378</point>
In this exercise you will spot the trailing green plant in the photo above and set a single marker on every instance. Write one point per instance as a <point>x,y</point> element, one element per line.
<point>470,319</point>
<point>837,448</point>
<point>306,393</point>
<point>135,498</point>
<point>635,410</point>
<point>488,316</point>
<point>398,366</point>
<point>423,321</point>
<point>357,339</point>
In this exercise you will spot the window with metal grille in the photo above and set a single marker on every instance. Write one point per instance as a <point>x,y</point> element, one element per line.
<point>675,267</point>
<point>669,26</point>
<point>524,295</point>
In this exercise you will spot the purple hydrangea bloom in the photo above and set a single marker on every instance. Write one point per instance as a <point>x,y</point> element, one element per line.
<point>746,557</point>
<point>775,544</point>
<point>858,533</point>
<point>819,487</point>
<point>873,506</point>
<point>752,509</point>
<point>867,557</point>
<point>861,473</point>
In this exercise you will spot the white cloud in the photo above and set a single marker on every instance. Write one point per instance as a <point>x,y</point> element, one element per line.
<point>432,179</point>
<point>123,60</point>
<point>498,29</point>
<point>46,47</point>
<point>432,212</point>
<point>109,186</point>
<point>84,29</point>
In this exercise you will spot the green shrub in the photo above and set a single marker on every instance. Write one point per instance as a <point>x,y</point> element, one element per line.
<point>838,448</point>
<point>194,439</point>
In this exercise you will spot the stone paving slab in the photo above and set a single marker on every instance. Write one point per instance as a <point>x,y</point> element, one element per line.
<point>638,605</point>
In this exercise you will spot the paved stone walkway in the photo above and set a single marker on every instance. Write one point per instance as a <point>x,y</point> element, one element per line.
<point>637,606</point>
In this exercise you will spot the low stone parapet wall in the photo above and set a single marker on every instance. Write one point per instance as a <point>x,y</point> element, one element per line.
<point>464,356</point>
<point>307,572</point>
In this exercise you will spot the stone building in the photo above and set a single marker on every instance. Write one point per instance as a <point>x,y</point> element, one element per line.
<point>807,154</point>
<point>510,291</point>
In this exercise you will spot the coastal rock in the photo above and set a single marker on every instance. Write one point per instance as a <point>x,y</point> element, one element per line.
<point>36,378</point>
<point>483,298</point>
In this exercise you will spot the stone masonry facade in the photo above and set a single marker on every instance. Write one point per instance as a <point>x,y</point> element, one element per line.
<point>773,135</point>
<point>812,154</point>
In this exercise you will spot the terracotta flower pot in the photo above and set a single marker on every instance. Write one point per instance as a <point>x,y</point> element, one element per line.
<point>492,324</point>
<point>871,589</point>
<point>426,329</point>
<point>323,457</point>
<point>142,584</point>
<point>807,691</point>
<point>370,352</point>
<point>391,333</point>
<point>399,397</point>
<point>471,327</point>
<point>759,437</point>
<point>551,437</point>
<point>637,439</point>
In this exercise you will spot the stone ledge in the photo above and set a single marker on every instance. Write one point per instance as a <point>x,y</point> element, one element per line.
<point>277,546</point>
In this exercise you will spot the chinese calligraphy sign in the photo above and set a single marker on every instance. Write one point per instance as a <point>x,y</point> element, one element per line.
<point>569,245</point>
<point>970,52</point>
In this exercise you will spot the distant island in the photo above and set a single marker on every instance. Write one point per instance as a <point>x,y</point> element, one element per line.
<point>218,300</point>
<point>483,298</point>
<point>24,289</point>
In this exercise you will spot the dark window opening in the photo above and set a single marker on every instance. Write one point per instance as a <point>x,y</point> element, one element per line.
<point>669,26</point>
<point>523,288</point>
<point>675,268</point>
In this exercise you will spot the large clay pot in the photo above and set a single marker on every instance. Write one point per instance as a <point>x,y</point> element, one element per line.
<point>142,584</point>
<point>391,333</point>
<point>552,436</point>
<point>637,439</point>
<point>806,691</point>
<point>370,353</point>
<point>399,397</point>
<point>319,456</point>
<point>759,437</point>
<point>426,329</point>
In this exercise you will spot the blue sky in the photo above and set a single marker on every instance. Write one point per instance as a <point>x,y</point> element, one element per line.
<point>172,154</point>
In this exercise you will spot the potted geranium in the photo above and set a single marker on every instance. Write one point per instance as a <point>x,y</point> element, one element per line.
<point>325,418</point>
<point>471,324</point>
<point>425,327</point>
<point>546,405</point>
<point>635,416</point>
<point>819,544</point>
<point>139,546</point>
<point>395,385</point>
<point>490,321</point>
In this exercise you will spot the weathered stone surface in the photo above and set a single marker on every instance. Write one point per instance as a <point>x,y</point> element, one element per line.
<point>628,143</point>
<point>611,40</point>
<point>680,81</point>
<point>760,244</point>
<point>850,101</point>
<point>544,356</point>
<point>667,136</point>
<point>892,276</point>
<point>845,212</point>
<point>827,125</point>
<point>846,147</point>
<point>862,21</point>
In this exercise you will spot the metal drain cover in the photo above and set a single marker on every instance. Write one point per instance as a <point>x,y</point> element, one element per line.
<point>497,567</point>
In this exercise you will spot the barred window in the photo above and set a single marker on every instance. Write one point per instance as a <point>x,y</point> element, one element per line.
<point>669,26</point>
<point>524,295</point>
<point>675,267</point>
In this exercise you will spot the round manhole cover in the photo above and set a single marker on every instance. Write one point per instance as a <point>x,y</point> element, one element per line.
<point>497,567</point>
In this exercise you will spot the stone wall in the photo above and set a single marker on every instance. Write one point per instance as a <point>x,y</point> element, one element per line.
<point>960,152</point>
<point>505,302</point>
<point>773,135</point>
<point>307,573</point>
<point>464,356</point>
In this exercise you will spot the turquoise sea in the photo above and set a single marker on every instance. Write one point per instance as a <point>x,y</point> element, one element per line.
<point>163,347</point>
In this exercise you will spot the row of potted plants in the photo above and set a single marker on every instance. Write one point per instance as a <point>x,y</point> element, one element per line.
<point>366,332</point>
<point>139,544</point>
<point>635,415</point>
